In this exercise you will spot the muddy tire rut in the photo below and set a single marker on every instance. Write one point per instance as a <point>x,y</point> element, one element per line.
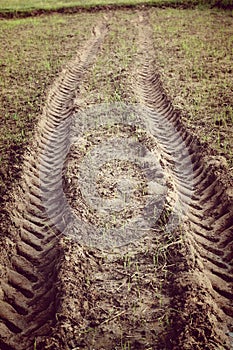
<point>208,216</point>
<point>28,287</point>
<point>197,286</point>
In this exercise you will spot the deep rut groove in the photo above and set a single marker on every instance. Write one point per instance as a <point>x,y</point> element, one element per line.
<point>208,210</point>
<point>28,286</point>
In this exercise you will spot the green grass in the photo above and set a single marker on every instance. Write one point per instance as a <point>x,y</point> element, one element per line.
<point>19,5</point>
<point>33,5</point>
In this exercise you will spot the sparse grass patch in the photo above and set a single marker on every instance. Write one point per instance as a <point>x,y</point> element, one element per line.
<point>194,56</point>
<point>108,76</point>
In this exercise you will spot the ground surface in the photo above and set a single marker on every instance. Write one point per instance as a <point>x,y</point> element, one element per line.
<point>23,5</point>
<point>24,8</point>
<point>63,284</point>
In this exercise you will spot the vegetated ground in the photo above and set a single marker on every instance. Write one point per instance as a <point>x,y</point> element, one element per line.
<point>17,5</point>
<point>167,290</point>
<point>23,8</point>
<point>31,8</point>
<point>194,60</point>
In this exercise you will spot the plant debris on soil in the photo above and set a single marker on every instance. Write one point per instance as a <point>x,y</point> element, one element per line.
<point>170,288</point>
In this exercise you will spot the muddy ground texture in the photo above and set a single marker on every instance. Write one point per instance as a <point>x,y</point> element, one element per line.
<point>169,288</point>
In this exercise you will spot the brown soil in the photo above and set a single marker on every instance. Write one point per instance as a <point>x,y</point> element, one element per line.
<point>170,288</point>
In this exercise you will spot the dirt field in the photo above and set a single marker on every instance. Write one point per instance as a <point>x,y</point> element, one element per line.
<point>119,230</point>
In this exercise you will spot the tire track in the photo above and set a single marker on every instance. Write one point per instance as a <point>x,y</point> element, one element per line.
<point>208,210</point>
<point>202,281</point>
<point>28,287</point>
